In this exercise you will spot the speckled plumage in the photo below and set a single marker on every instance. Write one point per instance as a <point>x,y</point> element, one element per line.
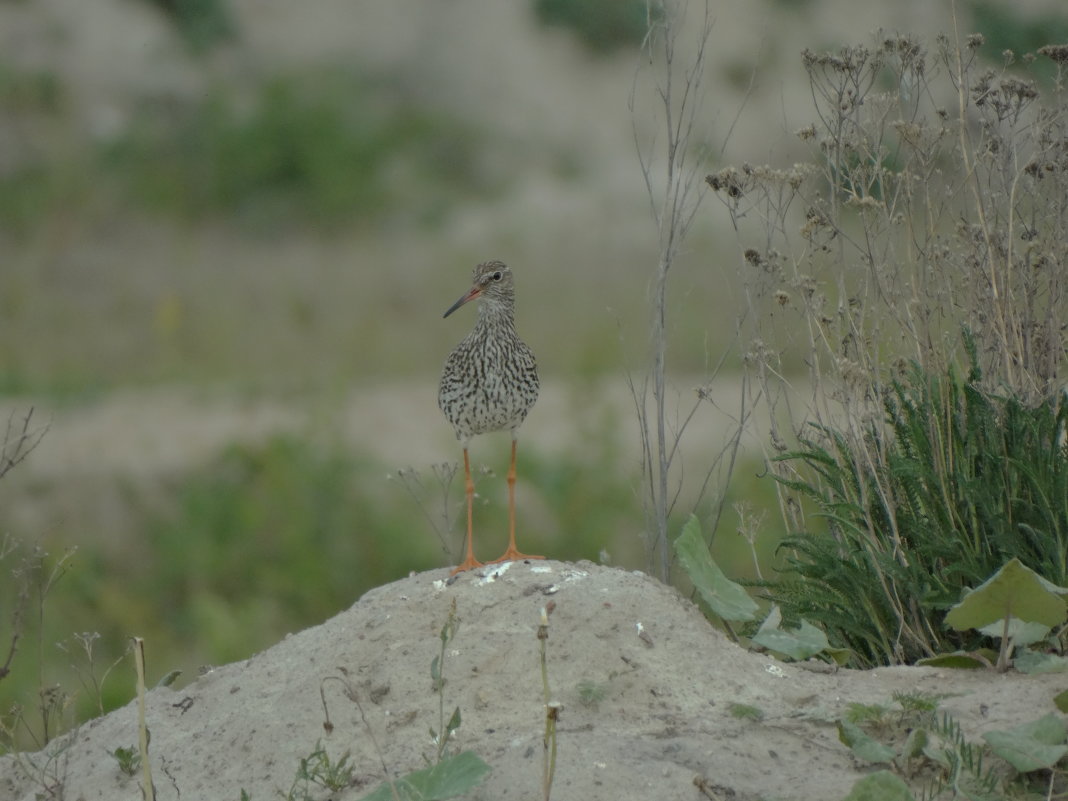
<point>489,383</point>
<point>490,380</point>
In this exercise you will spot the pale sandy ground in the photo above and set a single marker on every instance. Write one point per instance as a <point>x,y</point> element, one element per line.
<point>669,680</point>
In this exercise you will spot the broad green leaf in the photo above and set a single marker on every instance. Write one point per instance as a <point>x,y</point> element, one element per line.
<point>1034,745</point>
<point>915,743</point>
<point>1060,700</point>
<point>1033,662</point>
<point>800,643</point>
<point>169,679</point>
<point>841,656</point>
<point>1014,591</point>
<point>1049,585</point>
<point>862,745</point>
<point>454,721</point>
<point>957,659</point>
<point>1048,729</point>
<point>937,750</point>
<point>727,599</point>
<point>451,777</point>
<point>1021,632</point>
<point>880,786</point>
<point>385,793</point>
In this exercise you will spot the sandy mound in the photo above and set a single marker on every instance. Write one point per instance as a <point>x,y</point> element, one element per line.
<point>668,680</point>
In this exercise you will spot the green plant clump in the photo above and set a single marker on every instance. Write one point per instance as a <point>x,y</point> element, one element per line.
<point>322,148</point>
<point>202,23</point>
<point>968,480</point>
<point>319,770</point>
<point>1006,29</point>
<point>602,25</point>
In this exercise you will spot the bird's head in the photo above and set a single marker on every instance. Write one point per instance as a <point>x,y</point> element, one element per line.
<point>493,283</point>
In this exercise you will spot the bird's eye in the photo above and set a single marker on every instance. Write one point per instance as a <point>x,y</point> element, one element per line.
<point>497,276</point>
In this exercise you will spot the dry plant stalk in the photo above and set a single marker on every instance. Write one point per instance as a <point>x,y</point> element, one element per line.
<point>918,218</point>
<point>909,226</point>
<point>19,441</point>
<point>443,520</point>
<point>148,788</point>
<point>671,170</point>
<point>552,708</point>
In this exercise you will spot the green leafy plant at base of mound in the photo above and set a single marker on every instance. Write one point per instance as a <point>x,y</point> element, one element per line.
<point>930,749</point>
<point>1019,608</point>
<point>964,481</point>
<point>728,602</point>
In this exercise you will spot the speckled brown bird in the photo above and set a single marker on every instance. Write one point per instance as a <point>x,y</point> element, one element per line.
<point>490,383</point>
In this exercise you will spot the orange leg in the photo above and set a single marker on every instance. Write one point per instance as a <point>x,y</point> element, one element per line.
<point>512,553</point>
<point>469,561</point>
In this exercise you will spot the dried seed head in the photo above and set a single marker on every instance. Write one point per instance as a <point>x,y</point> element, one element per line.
<point>726,180</point>
<point>1058,53</point>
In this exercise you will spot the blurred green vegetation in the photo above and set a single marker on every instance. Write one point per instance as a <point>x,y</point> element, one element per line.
<point>29,91</point>
<point>324,149</point>
<point>32,101</point>
<point>202,23</point>
<point>1005,27</point>
<point>602,25</point>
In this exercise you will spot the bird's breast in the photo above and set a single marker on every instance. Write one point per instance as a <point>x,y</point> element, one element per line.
<point>489,389</point>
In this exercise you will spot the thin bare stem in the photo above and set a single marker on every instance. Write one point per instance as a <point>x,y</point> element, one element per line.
<point>19,441</point>
<point>674,199</point>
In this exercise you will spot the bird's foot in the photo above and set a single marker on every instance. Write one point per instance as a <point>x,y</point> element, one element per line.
<point>470,563</point>
<point>512,555</point>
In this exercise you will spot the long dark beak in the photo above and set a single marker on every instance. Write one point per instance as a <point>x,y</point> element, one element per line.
<point>473,293</point>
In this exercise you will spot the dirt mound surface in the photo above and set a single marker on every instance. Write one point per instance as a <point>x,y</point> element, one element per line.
<point>658,717</point>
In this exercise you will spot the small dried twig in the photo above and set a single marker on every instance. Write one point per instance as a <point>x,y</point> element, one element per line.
<point>706,788</point>
<point>19,441</point>
<point>443,521</point>
<point>675,191</point>
<point>87,675</point>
